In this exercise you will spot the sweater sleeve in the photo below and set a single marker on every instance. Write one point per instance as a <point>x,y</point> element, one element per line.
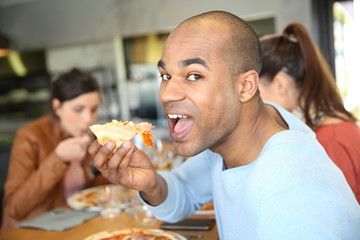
<point>30,180</point>
<point>187,189</point>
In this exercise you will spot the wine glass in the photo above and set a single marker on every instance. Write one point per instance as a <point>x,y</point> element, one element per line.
<point>113,200</point>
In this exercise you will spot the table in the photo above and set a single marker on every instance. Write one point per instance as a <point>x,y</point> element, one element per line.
<point>89,227</point>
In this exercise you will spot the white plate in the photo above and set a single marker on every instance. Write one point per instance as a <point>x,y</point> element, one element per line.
<point>204,212</point>
<point>71,201</point>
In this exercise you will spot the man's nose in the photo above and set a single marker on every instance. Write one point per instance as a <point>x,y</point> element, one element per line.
<point>172,90</point>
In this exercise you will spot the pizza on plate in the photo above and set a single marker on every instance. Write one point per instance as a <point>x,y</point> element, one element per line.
<point>134,234</point>
<point>206,209</point>
<point>208,206</point>
<point>120,131</point>
<point>86,199</point>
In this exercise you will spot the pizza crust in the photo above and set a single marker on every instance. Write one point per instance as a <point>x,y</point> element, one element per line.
<point>102,235</point>
<point>120,131</point>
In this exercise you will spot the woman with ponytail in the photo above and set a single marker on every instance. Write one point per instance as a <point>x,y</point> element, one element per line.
<point>297,77</point>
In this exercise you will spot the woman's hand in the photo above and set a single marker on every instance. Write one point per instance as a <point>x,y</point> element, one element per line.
<point>73,149</point>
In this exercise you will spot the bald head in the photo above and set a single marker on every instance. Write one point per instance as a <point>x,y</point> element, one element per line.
<point>242,51</point>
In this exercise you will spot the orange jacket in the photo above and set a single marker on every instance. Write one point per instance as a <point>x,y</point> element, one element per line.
<point>34,182</point>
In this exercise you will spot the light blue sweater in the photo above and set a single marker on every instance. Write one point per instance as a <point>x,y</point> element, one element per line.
<point>291,191</point>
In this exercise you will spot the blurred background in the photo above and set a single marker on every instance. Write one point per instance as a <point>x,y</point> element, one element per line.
<point>120,42</point>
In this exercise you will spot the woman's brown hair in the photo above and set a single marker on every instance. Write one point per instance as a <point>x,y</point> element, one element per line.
<point>295,53</point>
<point>72,84</point>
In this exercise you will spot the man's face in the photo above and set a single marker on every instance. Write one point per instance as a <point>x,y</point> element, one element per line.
<point>196,91</point>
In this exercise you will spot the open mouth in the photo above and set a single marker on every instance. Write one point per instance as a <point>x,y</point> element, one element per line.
<point>180,125</point>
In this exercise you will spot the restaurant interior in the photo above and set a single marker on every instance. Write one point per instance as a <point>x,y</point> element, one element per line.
<point>120,42</point>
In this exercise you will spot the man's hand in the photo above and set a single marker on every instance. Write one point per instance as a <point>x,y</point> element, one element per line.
<point>131,168</point>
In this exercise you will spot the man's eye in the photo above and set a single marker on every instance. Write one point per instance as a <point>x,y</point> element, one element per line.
<point>165,77</point>
<point>194,77</point>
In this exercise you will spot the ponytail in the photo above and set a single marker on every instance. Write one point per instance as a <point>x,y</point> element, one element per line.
<point>300,57</point>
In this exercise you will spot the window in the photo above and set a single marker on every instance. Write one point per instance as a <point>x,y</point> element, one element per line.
<point>347,49</point>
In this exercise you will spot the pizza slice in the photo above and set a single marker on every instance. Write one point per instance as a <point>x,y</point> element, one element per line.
<point>87,198</point>
<point>82,201</point>
<point>120,131</point>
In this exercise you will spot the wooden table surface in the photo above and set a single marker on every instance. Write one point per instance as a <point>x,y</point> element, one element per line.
<point>89,227</point>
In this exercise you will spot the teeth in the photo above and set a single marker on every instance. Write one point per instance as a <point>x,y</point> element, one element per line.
<point>176,116</point>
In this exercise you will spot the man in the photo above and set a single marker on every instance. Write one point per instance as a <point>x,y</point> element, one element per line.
<point>268,176</point>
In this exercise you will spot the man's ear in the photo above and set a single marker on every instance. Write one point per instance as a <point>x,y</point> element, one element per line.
<point>247,85</point>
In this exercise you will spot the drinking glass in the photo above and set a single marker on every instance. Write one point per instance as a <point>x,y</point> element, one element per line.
<point>133,199</point>
<point>143,216</point>
<point>139,210</point>
<point>113,200</point>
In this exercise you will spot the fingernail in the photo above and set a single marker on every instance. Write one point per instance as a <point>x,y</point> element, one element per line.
<point>109,145</point>
<point>125,145</point>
